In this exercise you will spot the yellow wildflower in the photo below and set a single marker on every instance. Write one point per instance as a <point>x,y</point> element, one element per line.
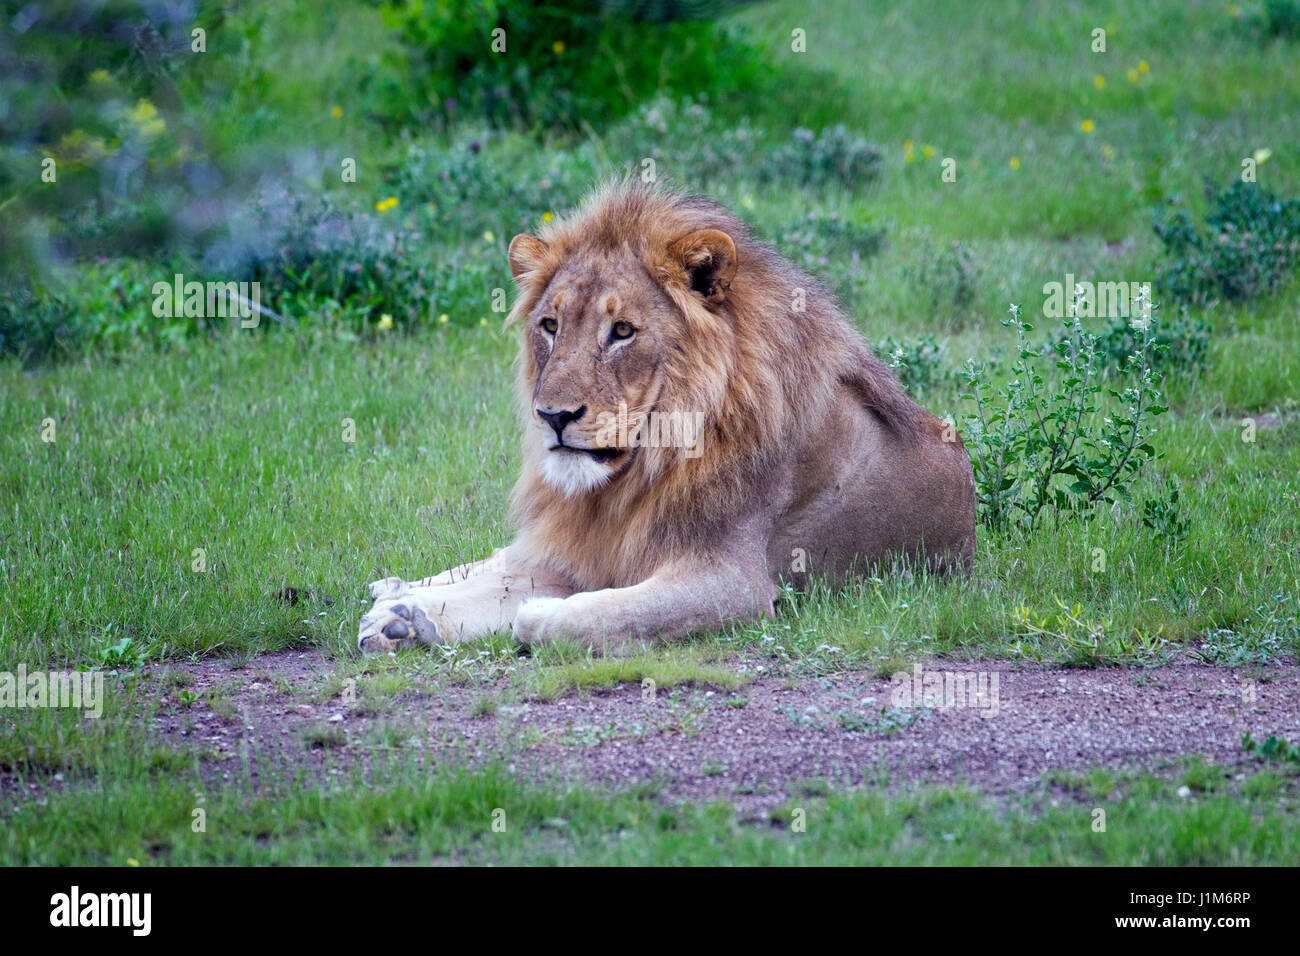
<point>144,116</point>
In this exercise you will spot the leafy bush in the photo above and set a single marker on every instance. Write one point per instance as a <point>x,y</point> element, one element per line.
<point>1274,748</point>
<point>818,240</point>
<point>93,86</point>
<point>1250,245</point>
<point>1275,19</point>
<point>1044,442</point>
<point>36,324</point>
<point>308,254</point>
<point>485,183</point>
<point>1181,343</point>
<point>920,364</point>
<point>566,64</point>
<point>1164,516</point>
<point>1272,631</point>
<point>946,275</point>
<point>696,147</point>
<point>833,157</point>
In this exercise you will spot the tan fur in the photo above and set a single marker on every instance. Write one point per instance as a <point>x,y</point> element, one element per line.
<point>811,458</point>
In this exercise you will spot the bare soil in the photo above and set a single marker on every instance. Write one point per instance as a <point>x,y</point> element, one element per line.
<point>769,741</point>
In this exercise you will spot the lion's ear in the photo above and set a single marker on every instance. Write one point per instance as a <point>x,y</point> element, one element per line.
<point>709,258</point>
<point>527,254</point>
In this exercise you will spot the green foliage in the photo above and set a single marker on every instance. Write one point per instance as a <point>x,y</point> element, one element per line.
<point>1249,246</point>
<point>921,364</point>
<point>36,324</point>
<point>1165,517</point>
<point>830,244</point>
<point>696,143</point>
<point>567,64</point>
<point>308,253</point>
<point>1274,19</point>
<point>833,157</point>
<point>1273,749</point>
<point>1181,343</point>
<point>94,87</point>
<point>1047,441</point>
<point>945,274</point>
<point>1271,631</point>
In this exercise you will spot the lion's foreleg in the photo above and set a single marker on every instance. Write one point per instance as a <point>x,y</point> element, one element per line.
<point>668,605</point>
<point>498,561</point>
<point>444,613</point>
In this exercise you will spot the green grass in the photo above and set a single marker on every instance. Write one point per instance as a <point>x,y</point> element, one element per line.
<point>423,815</point>
<point>235,446</point>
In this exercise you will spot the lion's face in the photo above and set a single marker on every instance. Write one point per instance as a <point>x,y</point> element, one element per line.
<point>599,337</point>
<point>604,329</point>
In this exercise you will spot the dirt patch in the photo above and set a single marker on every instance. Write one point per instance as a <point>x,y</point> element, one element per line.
<point>757,746</point>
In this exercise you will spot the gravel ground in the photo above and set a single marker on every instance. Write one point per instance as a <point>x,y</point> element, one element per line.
<point>765,742</point>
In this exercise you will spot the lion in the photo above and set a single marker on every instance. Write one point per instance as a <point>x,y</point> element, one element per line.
<point>701,426</point>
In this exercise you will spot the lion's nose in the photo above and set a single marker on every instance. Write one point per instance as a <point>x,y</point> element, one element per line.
<point>559,419</point>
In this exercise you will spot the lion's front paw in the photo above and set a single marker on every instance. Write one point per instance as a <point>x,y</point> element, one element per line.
<point>540,619</point>
<point>393,626</point>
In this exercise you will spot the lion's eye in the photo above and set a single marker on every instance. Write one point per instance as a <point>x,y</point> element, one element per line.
<point>621,330</point>
<point>549,326</point>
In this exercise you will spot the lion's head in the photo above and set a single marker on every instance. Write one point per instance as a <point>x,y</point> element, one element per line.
<point>602,344</point>
<point>666,355</point>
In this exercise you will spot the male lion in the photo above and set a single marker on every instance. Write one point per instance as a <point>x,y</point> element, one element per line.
<point>789,446</point>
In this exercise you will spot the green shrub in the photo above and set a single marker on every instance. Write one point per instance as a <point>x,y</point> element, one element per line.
<point>819,240</point>
<point>1164,516</point>
<point>1274,19</point>
<point>1048,441</point>
<point>921,364</point>
<point>945,275</point>
<point>567,64</point>
<point>695,146</point>
<point>308,254</point>
<point>833,157</point>
<point>36,324</point>
<point>1270,632</point>
<point>1250,245</point>
<point>1181,343</point>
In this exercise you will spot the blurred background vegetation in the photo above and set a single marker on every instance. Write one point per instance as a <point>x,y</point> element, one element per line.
<point>208,138</point>
<point>219,153</point>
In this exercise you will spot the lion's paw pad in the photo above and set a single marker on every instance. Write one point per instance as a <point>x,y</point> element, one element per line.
<point>396,627</point>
